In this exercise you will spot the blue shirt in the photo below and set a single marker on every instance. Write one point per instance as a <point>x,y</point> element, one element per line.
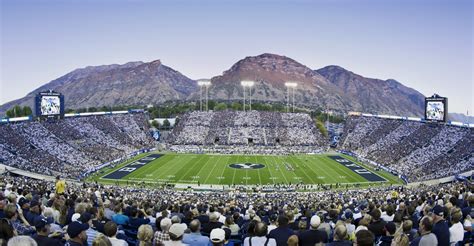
<point>195,239</point>
<point>281,235</point>
<point>120,219</point>
<point>441,230</point>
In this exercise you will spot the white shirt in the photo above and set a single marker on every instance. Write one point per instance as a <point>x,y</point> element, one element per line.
<point>117,242</point>
<point>456,233</point>
<point>260,241</point>
<point>270,228</point>
<point>174,243</point>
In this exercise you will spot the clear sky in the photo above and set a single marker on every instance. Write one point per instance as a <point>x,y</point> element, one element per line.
<point>425,44</point>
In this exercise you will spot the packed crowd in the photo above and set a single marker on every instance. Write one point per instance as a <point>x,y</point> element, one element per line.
<point>251,127</point>
<point>36,212</point>
<point>418,150</point>
<point>72,145</point>
<point>251,150</point>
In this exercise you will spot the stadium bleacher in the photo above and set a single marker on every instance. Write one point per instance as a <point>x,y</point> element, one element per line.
<point>74,145</point>
<point>418,150</point>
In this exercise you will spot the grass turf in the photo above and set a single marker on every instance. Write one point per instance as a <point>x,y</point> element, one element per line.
<point>215,170</point>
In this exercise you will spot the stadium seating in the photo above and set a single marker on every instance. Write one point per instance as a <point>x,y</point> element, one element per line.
<point>238,128</point>
<point>417,150</point>
<point>73,145</point>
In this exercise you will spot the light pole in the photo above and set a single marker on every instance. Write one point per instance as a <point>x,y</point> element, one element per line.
<point>206,83</point>
<point>249,84</point>
<point>288,86</point>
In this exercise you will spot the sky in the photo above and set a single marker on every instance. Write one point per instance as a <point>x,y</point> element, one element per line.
<point>424,44</point>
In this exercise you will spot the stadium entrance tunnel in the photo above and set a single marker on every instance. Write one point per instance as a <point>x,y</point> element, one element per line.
<point>247,165</point>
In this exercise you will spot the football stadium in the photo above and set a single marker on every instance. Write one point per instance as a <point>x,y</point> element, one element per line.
<point>269,152</point>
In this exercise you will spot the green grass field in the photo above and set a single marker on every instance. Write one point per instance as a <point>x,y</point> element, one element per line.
<point>217,170</point>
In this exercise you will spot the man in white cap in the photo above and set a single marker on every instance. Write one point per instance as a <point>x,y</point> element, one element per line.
<point>176,234</point>
<point>313,235</point>
<point>217,237</point>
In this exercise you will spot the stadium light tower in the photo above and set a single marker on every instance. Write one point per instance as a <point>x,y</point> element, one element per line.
<point>206,83</point>
<point>289,85</point>
<point>249,84</point>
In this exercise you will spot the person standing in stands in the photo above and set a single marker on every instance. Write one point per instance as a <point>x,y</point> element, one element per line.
<point>313,235</point>
<point>282,232</point>
<point>440,226</point>
<point>60,185</point>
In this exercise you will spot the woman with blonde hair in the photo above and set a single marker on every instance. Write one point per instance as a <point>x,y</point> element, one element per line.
<point>145,235</point>
<point>101,240</point>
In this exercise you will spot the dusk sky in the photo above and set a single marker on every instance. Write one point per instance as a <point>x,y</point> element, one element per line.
<point>424,44</point>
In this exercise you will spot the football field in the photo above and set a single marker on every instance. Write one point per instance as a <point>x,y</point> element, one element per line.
<point>243,170</point>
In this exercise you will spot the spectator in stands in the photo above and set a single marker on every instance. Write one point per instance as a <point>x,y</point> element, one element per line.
<point>390,229</point>
<point>145,235</point>
<point>261,237</point>
<point>119,218</point>
<point>6,231</point>
<point>138,218</point>
<point>293,241</point>
<point>77,234</point>
<point>35,211</point>
<point>456,231</point>
<point>364,237</point>
<point>377,225</point>
<point>60,185</point>
<point>213,223</point>
<point>427,238</point>
<point>229,223</point>
<point>341,238</point>
<point>86,218</point>
<point>195,237</point>
<point>101,240</point>
<point>440,226</point>
<point>22,240</point>
<point>43,229</point>
<point>401,240</point>
<point>282,232</point>
<point>110,230</point>
<point>176,233</point>
<point>163,235</point>
<point>313,235</point>
<point>217,237</point>
<point>408,230</point>
<point>16,218</point>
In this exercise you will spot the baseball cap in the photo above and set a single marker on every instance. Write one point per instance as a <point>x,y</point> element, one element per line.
<point>75,217</point>
<point>85,217</point>
<point>165,222</point>
<point>23,201</point>
<point>438,210</point>
<point>34,203</point>
<point>217,235</point>
<point>41,221</point>
<point>315,221</point>
<point>75,228</point>
<point>177,230</point>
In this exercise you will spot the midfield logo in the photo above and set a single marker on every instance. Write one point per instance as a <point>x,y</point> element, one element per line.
<point>246,165</point>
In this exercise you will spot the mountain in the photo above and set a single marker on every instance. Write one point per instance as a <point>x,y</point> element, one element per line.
<point>133,83</point>
<point>375,95</point>
<point>142,83</point>
<point>270,72</point>
<point>461,118</point>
